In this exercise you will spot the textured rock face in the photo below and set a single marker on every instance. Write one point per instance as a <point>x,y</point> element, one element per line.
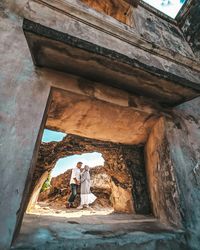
<point>190,25</point>
<point>123,171</point>
<point>161,176</point>
<point>101,186</point>
<point>184,136</point>
<point>88,117</point>
<point>162,33</point>
<point>36,190</point>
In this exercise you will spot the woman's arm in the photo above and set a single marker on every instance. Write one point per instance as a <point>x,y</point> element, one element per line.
<point>85,176</point>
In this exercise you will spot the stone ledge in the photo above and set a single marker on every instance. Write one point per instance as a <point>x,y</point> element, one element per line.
<point>114,28</point>
<point>63,52</point>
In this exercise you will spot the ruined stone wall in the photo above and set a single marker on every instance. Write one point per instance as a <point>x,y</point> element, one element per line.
<point>24,94</point>
<point>23,99</point>
<point>25,90</point>
<point>161,176</point>
<point>162,46</point>
<point>189,21</point>
<point>184,137</point>
<point>135,161</point>
<point>161,33</point>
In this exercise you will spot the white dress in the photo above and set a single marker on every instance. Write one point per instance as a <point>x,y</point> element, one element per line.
<point>86,196</point>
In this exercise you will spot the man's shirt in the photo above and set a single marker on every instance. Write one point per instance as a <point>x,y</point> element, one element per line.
<point>76,173</point>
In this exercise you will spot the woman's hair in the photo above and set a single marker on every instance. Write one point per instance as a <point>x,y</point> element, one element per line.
<point>87,168</point>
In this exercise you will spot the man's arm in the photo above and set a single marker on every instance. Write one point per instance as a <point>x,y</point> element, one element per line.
<point>76,181</point>
<point>76,176</point>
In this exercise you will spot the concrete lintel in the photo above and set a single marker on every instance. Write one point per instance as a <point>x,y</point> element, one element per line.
<point>119,30</point>
<point>63,52</point>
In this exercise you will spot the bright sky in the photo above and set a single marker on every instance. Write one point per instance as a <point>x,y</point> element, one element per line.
<point>90,159</point>
<point>169,7</point>
<point>50,135</point>
<point>63,164</point>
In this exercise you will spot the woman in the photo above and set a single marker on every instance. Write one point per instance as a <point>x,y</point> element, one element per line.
<point>86,196</point>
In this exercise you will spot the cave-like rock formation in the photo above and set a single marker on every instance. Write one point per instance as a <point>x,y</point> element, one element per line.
<point>101,186</point>
<point>127,121</point>
<point>124,167</point>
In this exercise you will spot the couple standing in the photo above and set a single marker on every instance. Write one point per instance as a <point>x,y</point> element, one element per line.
<point>80,177</point>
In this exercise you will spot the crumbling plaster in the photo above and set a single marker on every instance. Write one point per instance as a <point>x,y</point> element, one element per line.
<point>75,24</point>
<point>24,94</point>
<point>189,22</point>
<point>161,176</point>
<point>161,33</point>
<point>184,144</point>
<point>174,48</point>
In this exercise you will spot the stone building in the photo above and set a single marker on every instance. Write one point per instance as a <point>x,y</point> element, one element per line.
<point>109,70</point>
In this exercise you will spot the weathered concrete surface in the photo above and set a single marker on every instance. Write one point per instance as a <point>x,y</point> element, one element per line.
<point>184,137</point>
<point>25,90</point>
<point>63,52</point>
<point>24,93</point>
<point>161,177</point>
<point>189,22</point>
<point>125,33</point>
<point>21,91</point>
<point>88,117</point>
<point>86,32</point>
<point>112,231</point>
<point>161,33</point>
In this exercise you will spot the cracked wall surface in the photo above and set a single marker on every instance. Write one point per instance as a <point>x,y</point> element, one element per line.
<point>89,117</point>
<point>161,176</point>
<point>189,22</point>
<point>184,137</point>
<point>161,33</point>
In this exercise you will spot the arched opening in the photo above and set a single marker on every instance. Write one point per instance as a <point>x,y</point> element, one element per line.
<point>50,197</point>
<point>93,159</point>
<point>118,178</point>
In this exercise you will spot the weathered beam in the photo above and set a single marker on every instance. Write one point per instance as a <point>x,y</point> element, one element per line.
<point>63,52</point>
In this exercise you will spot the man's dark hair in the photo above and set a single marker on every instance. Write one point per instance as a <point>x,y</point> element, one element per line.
<point>79,162</point>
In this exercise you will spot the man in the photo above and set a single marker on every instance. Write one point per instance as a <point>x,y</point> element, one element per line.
<point>74,183</point>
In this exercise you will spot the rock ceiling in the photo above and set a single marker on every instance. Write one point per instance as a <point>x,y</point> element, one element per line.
<point>89,117</point>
